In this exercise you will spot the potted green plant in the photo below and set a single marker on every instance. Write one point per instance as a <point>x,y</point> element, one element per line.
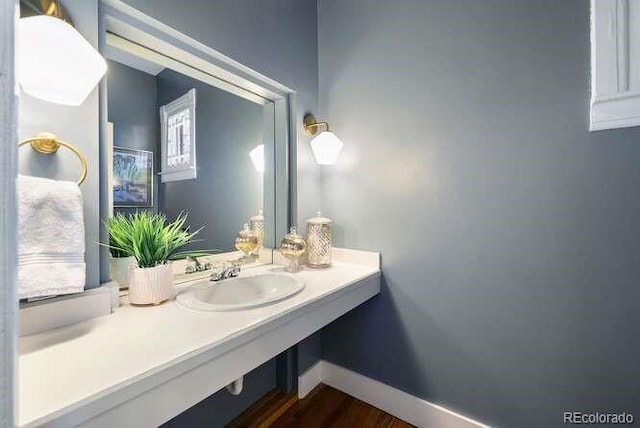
<point>153,242</point>
<point>120,261</point>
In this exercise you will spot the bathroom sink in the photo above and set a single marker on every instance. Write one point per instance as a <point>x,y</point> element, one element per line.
<point>241,292</point>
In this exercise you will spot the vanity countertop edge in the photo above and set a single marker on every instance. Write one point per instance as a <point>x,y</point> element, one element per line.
<point>115,369</point>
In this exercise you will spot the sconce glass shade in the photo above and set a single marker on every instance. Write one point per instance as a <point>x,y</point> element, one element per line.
<point>326,148</point>
<point>55,63</point>
<point>257,157</point>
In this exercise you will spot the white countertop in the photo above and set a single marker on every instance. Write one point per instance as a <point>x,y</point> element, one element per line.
<point>64,369</point>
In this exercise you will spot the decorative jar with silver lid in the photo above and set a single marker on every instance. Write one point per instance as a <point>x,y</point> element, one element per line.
<point>319,241</point>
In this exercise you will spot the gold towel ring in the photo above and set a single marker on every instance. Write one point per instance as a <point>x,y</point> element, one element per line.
<point>48,143</point>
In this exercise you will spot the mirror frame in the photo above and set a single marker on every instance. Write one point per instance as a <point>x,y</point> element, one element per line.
<point>138,28</point>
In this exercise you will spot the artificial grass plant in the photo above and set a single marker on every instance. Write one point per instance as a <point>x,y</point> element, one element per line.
<point>150,238</point>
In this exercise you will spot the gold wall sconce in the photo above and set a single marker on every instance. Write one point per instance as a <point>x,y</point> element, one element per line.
<point>55,62</point>
<point>326,146</point>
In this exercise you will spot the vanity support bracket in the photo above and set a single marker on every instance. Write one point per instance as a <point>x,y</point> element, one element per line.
<point>287,370</point>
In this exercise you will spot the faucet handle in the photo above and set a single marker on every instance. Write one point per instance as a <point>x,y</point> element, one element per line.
<point>227,270</point>
<point>234,270</point>
<point>217,272</point>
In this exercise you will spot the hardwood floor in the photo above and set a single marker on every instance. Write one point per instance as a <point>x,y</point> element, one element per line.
<point>323,407</point>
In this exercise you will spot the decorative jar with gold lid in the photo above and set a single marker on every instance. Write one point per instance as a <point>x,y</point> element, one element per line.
<point>246,241</point>
<point>293,247</point>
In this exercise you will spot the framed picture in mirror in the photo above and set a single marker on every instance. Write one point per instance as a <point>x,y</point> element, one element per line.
<point>132,178</point>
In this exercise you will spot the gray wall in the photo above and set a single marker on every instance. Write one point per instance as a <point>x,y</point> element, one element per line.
<point>133,110</point>
<point>228,189</point>
<point>510,235</point>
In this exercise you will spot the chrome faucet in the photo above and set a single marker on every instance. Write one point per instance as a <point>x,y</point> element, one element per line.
<point>227,271</point>
<point>195,260</point>
<point>197,265</point>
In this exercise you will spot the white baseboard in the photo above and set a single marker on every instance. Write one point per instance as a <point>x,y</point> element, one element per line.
<point>393,401</point>
<point>311,378</point>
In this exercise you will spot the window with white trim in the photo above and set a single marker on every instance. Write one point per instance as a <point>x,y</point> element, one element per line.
<point>178,138</point>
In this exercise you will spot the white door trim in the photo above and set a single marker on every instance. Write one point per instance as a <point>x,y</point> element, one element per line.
<point>9,10</point>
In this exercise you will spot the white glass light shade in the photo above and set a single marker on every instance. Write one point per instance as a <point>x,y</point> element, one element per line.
<point>257,157</point>
<point>55,63</point>
<point>326,148</point>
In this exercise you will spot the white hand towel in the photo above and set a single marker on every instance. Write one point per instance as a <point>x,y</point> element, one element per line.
<point>50,237</point>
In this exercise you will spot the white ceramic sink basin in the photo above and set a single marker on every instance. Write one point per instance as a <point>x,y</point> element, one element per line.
<point>240,293</point>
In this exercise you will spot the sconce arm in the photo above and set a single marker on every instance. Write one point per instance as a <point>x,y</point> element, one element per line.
<point>311,125</point>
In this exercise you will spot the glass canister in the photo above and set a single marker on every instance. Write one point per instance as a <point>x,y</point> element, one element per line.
<point>246,241</point>
<point>257,225</point>
<point>319,241</point>
<point>293,247</point>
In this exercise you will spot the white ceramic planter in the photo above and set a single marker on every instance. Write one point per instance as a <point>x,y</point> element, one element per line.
<point>119,270</point>
<point>150,286</point>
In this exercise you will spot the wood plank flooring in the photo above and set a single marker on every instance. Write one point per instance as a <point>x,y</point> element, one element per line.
<point>323,407</point>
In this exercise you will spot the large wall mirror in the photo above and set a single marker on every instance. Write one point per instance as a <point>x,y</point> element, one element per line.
<point>187,130</point>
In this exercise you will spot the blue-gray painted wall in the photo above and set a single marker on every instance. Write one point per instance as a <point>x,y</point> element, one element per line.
<point>510,235</point>
<point>133,110</point>
<point>228,190</point>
